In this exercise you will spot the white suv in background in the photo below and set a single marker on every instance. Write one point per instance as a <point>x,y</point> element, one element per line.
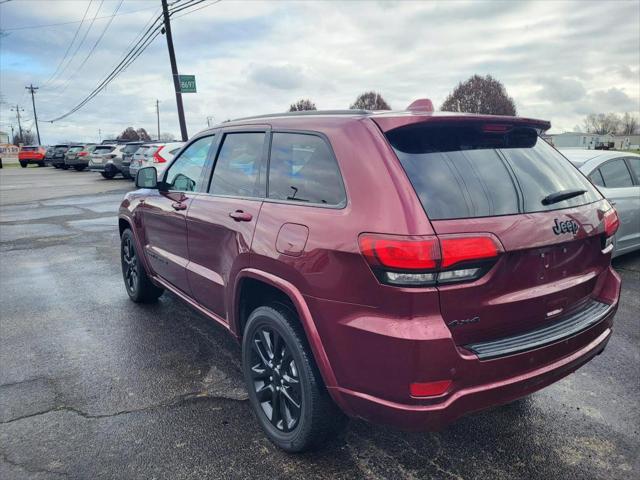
<point>157,155</point>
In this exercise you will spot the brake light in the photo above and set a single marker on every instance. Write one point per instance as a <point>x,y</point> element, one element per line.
<point>157,158</point>
<point>401,254</point>
<point>611,222</point>
<point>461,249</point>
<point>495,128</point>
<point>82,154</point>
<point>429,260</point>
<point>429,389</point>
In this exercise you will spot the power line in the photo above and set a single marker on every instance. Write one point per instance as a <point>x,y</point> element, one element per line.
<point>196,9</point>
<point>84,37</point>
<point>46,25</point>
<point>75,35</point>
<point>92,49</point>
<point>147,38</point>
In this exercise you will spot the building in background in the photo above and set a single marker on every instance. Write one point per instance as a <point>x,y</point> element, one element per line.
<point>593,141</point>
<point>4,138</point>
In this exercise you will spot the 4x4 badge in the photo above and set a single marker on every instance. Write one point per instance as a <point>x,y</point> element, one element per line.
<point>567,226</point>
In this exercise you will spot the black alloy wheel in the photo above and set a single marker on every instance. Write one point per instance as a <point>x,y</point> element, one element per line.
<point>129,265</point>
<point>139,286</point>
<point>286,391</point>
<point>275,378</point>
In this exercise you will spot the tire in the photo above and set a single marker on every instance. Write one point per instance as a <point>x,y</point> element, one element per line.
<point>136,281</point>
<point>41,164</point>
<point>23,164</point>
<point>55,165</point>
<point>296,383</point>
<point>78,168</point>
<point>65,167</point>
<point>108,175</point>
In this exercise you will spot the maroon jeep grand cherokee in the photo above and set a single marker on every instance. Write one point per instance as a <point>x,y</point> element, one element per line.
<point>402,267</point>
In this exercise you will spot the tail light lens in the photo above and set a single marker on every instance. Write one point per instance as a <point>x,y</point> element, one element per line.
<point>157,158</point>
<point>82,154</point>
<point>611,222</point>
<point>431,260</point>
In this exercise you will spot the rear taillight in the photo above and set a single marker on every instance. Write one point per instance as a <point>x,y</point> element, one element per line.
<point>431,260</point>
<point>611,222</point>
<point>82,154</point>
<point>157,158</point>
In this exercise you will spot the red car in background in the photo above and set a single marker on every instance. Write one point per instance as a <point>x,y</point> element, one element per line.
<point>31,154</point>
<point>402,267</point>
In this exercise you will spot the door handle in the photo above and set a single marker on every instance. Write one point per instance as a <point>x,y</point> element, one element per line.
<point>179,206</point>
<point>240,216</point>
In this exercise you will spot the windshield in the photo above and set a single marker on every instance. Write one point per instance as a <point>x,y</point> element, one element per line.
<point>462,172</point>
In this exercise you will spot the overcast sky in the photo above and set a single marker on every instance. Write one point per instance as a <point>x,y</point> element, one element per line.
<point>558,60</point>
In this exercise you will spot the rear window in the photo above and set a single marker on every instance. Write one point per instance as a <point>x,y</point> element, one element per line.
<point>75,149</point>
<point>29,149</point>
<point>130,148</point>
<point>62,148</point>
<point>462,172</point>
<point>150,151</point>
<point>103,149</point>
<point>141,150</point>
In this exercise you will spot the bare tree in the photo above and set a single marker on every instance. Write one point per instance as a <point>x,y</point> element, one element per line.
<point>27,138</point>
<point>370,101</point>
<point>629,124</point>
<point>143,135</point>
<point>167,137</point>
<point>129,134</point>
<point>484,95</point>
<point>602,123</point>
<point>302,104</point>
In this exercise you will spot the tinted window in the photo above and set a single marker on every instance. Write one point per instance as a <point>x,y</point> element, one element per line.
<point>75,149</point>
<point>130,148</point>
<point>616,174</point>
<point>239,169</point>
<point>303,169</point>
<point>596,178</point>
<point>185,173</point>
<point>460,171</point>
<point>103,149</point>
<point>634,162</point>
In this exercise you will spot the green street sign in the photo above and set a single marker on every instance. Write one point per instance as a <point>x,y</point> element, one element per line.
<point>187,83</point>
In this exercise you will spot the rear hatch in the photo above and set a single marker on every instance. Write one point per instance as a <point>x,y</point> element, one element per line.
<point>490,183</point>
<point>101,152</point>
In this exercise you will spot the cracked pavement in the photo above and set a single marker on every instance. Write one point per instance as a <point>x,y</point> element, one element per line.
<point>94,386</point>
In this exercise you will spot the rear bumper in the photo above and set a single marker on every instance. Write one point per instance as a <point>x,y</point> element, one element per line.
<point>103,167</point>
<point>31,160</point>
<point>78,161</point>
<point>375,359</point>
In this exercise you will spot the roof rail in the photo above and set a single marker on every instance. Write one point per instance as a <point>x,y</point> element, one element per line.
<point>305,113</point>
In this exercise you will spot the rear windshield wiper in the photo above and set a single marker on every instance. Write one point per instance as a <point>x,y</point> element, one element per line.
<point>561,195</point>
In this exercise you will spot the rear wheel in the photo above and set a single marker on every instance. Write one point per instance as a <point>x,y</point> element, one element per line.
<point>23,164</point>
<point>108,175</point>
<point>64,167</point>
<point>285,388</point>
<point>136,281</point>
<point>40,164</point>
<point>79,168</point>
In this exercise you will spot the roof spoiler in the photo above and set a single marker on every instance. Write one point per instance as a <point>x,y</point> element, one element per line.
<point>421,105</point>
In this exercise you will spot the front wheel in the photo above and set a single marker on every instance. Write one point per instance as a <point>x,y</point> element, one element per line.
<point>285,388</point>
<point>136,281</point>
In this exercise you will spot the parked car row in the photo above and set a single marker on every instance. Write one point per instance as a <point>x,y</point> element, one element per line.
<point>108,159</point>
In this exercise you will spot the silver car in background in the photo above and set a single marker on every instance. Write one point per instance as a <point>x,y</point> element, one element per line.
<point>617,176</point>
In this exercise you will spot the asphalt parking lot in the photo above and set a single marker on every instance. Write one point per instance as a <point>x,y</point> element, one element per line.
<point>94,386</point>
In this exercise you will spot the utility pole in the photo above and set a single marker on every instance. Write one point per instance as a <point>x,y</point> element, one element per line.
<point>100,135</point>
<point>18,110</point>
<point>158,116</point>
<point>32,89</point>
<point>174,71</point>
<point>209,121</point>
<point>12,135</point>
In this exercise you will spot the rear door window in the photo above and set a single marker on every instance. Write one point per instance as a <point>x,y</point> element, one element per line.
<point>459,171</point>
<point>303,169</point>
<point>240,169</point>
<point>616,174</point>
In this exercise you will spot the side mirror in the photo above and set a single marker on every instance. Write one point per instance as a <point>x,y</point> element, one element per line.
<point>147,177</point>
